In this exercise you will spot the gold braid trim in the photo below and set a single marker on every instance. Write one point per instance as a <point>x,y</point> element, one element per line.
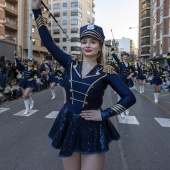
<point>118,108</point>
<point>109,69</point>
<point>73,57</point>
<point>40,21</point>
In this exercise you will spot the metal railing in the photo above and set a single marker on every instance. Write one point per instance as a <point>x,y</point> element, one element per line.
<point>11,22</point>
<point>11,7</point>
<point>146,5</point>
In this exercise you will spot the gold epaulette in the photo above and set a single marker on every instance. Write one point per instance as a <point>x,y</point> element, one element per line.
<point>112,52</point>
<point>40,21</point>
<point>109,69</point>
<point>168,57</point>
<point>35,68</point>
<point>15,56</point>
<point>120,60</point>
<point>73,57</point>
<point>130,63</point>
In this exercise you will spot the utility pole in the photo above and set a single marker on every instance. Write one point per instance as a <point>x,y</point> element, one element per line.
<point>30,31</point>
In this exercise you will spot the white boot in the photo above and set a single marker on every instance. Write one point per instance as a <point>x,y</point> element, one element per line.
<point>31,103</point>
<point>27,103</point>
<point>140,88</point>
<point>143,89</point>
<point>53,93</point>
<point>155,98</point>
<point>127,112</point>
<point>122,115</point>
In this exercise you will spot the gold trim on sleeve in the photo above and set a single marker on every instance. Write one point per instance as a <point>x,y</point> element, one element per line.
<point>118,108</point>
<point>40,21</point>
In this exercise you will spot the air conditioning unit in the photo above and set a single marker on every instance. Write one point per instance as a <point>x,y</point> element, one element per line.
<point>7,20</point>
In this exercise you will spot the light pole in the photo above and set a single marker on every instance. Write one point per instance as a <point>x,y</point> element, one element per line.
<point>30,32</point>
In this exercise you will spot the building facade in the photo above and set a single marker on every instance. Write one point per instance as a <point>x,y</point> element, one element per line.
<point>8,27</point>
<point>71,15</point>
<point>145,29</point>
<point>14,25</point>
<point>161,28</point>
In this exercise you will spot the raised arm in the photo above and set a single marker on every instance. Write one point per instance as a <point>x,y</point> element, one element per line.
<point>127,97</point>
<point>19,63</point>
<point>46,38</point>
<point>168,61</point>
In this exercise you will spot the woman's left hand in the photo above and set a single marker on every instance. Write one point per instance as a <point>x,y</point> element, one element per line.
<point>92,115</point>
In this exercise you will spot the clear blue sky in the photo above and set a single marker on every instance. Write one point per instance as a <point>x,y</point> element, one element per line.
<point>118,15</point>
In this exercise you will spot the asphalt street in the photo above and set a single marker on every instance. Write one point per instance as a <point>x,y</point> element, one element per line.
<point>144,143</point>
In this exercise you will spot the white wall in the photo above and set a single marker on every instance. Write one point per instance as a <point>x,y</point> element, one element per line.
<point>124,44</point>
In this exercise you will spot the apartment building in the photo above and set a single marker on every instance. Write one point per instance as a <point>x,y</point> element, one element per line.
<point>14,25</point>
<point>161,28</point>
<point>8,27</point>
<point>145,29</point>
<point>71,15</point>
<point>39,52</point>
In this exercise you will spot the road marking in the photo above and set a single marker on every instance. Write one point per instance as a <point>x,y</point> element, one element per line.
<point>163,108</point>
<point>21,113</point>
<point>163,122</point>
<point>128,120</point>
<point>3,109</point>
<point>164,95</point>
<point>52,115</point>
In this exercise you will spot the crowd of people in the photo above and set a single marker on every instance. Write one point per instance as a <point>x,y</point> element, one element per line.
<point>154,73</point>
<point>47,74</point>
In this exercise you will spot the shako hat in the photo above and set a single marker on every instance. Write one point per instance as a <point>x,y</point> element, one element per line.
<point>93,31</point>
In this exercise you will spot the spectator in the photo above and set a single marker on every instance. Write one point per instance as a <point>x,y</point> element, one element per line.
<point>3,71</point>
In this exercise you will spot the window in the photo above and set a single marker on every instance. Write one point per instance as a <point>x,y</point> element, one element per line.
<point>74,22</point>
<point>33,28</point>
<point>56,31</point>
<point>33,41</point>
<point>64,39</point>
<point>74,48</point>
<point>49,24</point>
<point>88,5</point>
<point>64,4</point>
<point>75,39</point>
<point>74,30</point>
<point>76,4</point>
<point>57,40</point>
<point>88,20</point>
<point>65,13</point>
<point>74,13</point>
<point>56,14</point>
<point>64,48</point>
<point>64,22</point>
<point>56,6</point>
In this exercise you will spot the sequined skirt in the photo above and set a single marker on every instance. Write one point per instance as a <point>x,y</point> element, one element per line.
<point>71,133</point>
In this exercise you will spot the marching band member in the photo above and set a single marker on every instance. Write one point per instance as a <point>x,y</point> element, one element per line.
<point>125,74</point>
<point>156,81</point>
<point>142,71</point>
<point>81,130</point>
<point>28,83</point>
<point>54,78</point>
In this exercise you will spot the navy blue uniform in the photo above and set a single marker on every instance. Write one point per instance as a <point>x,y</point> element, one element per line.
<point>157,76</point>
<point>55,76</point>
<point>124,71</point>
<point>70,132</point>
<point>28,74</point>
<point>141,73</point>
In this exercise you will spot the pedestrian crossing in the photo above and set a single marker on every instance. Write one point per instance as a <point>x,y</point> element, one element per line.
<point>129,120</point>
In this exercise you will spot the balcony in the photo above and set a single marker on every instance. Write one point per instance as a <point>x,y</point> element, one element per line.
<point>145,43</point>
<point>93,5</point>
<point>147,15</point>
<point>145,34</point>
<point>144,6</point>
<point>146,24</point>
<point>10,9</point>
<point>10,24</point>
